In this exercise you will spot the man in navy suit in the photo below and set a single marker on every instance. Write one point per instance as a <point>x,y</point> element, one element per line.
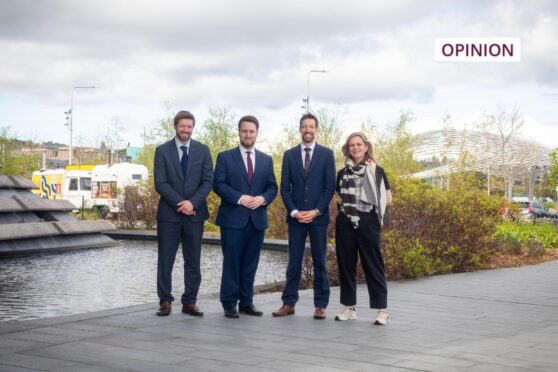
<point>307,186</point>
<point>245,181</point>
<point>183,178</point>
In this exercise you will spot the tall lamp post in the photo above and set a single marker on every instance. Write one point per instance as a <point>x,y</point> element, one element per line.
<point>70,119</point>
<point>307,100</point>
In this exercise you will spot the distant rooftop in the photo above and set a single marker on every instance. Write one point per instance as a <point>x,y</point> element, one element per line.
<point>484,151</point>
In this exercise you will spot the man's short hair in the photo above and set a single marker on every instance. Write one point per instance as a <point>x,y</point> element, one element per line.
<point>308,116</point>
<point>250,119</point>
<point>183,115</point>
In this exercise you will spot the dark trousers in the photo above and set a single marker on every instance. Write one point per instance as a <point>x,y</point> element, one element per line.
<point>318,246</point>
<point>364,242</point>
<point>241,255</point>
<point>169,235</point>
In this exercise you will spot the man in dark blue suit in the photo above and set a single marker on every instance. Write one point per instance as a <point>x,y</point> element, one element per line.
<point>183,178</point>
<point>245,181</point>
<point>307,186</point>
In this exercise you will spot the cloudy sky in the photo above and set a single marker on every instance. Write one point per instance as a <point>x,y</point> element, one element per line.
<point>254,57</point>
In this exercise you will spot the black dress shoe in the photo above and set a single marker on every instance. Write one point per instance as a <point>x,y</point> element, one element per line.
<point>231,313</point>
<point>250,310</point>
<point>191,309</point>
<point>164,308</point>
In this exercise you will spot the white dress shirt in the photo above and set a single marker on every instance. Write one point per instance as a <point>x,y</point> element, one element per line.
<point>243,151</point>
<point>303,151</point>
<point>178,144</point>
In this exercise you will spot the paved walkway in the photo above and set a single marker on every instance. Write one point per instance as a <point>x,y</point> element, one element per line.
<point>500,320</point>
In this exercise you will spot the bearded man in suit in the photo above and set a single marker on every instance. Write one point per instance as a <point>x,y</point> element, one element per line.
<point>183,173</point>
<point>245,181</point>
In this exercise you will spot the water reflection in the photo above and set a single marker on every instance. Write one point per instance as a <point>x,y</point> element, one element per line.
<point>97,279</point>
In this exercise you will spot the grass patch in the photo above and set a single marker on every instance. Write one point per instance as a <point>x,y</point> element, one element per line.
<point>546,234</point>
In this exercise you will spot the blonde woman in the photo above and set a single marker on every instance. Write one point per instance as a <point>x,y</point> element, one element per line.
<point>364,193</point>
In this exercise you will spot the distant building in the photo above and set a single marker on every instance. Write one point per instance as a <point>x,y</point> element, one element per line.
<point>130,154</point>
<point>486,153</point>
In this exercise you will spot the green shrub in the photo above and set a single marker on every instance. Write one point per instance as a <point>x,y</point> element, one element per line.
<point>138,206</point>
<point>508,244</point>
<point>439,231</point>
<point>535,248</point>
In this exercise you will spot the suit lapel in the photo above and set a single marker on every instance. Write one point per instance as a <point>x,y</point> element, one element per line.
<point>174,155</point>
<point>297,153</point>
<point>192,156</point>
<point>238,158</point>
<point>314,160</point>
<point>258,171</point>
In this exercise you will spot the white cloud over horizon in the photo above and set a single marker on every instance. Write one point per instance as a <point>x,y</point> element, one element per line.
<point>255,56</point>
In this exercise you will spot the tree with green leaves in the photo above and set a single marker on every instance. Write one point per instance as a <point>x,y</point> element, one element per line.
<point>154,137</point>
<point>219,131</point>
<point>14,159</point>
<point>550,180</point>
<point>394,150</point>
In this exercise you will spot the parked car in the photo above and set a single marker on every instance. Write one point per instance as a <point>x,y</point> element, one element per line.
<point>531,209</point>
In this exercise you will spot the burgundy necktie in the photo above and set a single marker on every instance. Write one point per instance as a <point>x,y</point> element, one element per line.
<point>250,167</point>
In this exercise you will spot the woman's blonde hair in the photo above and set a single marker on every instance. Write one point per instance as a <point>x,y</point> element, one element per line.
<point>369,154</point>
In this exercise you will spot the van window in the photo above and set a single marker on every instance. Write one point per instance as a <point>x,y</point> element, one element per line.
<point>73,184</point>
<point>85,184</point>
<point>136,176</point>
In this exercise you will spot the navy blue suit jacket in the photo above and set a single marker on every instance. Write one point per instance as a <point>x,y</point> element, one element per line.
<point>231,182</point>
<point>308,191</point>
<point>174,187</point>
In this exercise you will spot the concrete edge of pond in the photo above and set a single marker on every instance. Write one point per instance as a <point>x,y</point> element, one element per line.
<point>209,238</point>
<point>21,325</point>
<point>54,244</point>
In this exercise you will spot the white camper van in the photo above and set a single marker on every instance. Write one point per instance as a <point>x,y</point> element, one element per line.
<point>73,185</point>
<point>107,179</point>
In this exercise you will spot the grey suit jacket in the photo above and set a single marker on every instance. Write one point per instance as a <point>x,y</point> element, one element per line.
<point>174,187</point>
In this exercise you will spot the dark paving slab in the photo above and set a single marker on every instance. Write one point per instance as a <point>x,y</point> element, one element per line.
<point>499,320</point>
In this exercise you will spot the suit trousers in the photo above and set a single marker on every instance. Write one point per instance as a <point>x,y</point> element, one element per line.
<point>318,246</point>
<point>364,242</point>
<point>241,255</point>
<point>169,236</point>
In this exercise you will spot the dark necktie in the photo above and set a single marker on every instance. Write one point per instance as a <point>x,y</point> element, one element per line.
<point>250,167</point>
<point>307,159</point>
<point>184,159</point>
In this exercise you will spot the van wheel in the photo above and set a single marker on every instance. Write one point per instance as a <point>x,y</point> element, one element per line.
<point>103,212</point>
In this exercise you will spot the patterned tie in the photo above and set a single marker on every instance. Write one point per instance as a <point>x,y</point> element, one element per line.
<point>184,159</point>
<point>250,166</point>
<point>307,159</point>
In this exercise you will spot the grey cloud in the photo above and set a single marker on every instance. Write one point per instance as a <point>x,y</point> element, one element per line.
<point>186,43</point>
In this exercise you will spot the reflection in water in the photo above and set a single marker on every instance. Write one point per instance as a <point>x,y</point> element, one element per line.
<point>97,279</point>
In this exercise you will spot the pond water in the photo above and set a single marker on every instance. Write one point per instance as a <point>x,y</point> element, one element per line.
<point>56,284</point>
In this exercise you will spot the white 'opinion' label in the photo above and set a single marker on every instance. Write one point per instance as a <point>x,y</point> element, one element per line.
<point>477,49</point>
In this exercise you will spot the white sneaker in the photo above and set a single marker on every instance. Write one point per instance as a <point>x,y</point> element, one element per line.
<point>348,313</point>
<point>383,318</point>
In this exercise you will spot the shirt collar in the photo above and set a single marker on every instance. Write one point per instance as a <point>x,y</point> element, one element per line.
<point>178,143</point>
<point>311,147</point>
<point>244,149</point>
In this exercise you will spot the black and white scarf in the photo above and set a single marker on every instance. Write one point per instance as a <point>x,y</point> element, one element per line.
<point>373,190</point>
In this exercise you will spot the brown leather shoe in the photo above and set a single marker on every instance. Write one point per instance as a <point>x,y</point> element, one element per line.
<point>284,310</point>
<point>191,309</point>
<point>164,308</point>
<point>319,313</point>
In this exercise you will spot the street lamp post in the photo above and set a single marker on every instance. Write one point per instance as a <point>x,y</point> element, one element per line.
<point>307,100</point>
<point>70,118</point>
